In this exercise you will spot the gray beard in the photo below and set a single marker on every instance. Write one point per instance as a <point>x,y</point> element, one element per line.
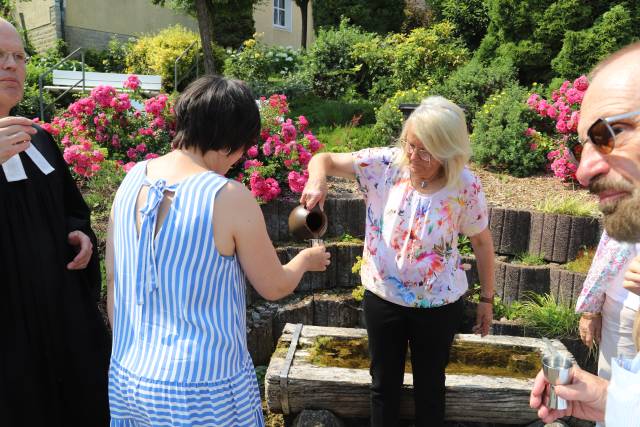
<point>622,219</point>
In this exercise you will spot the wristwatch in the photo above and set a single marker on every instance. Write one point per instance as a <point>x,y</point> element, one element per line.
<point>590,315</point>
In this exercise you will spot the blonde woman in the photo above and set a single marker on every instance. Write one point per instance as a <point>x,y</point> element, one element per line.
<point>419,197</point>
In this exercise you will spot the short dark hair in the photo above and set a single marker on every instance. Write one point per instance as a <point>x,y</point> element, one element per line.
<point>215,113</point>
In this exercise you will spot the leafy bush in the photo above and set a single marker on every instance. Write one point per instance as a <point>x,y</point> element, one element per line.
<point>389,118</point>
<point>114,57</point>
<point>257,61</point>
<point>473,83</point>
<point>582,50</point>
<point>293,86</point>
<point>380,16</point>
<point>548,317</point>
<point>330,64</point>
<point>156,54</point>
<point>470,18</point>
<point>281,155</point>
<point>423,57</point>
<point>532,33</point>
<point>499,138</point>
<point>29,106</point>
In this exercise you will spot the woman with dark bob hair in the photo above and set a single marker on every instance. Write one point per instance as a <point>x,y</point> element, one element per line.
<point>181,239</point>
<point>419,197</point>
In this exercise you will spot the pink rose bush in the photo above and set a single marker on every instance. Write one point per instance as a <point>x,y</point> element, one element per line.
<point>282,153</point>
<point>559,117</point>
<point>109,125</point>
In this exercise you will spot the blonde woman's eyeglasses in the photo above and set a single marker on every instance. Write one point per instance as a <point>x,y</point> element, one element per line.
<point>423,154</point>
<point>18,57</point>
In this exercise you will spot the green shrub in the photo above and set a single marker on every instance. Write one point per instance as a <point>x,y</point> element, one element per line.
<point>322,113</point>
<point>582,50</point>
<point>569,205</point>
<point>548,317</point>
<point>114,57</point>
<point>380,16</point>
<point>29,106</point>
<point>256,61</point>
<point>294,86</point>
<point>156,54</point>
<point>499,141</point>
<point>329,63</point>
<point>358,293</point>
<point>389,118</point>
<point>98,194</point>
<point>471,85</point>
<point>423,57</point>
<point>470,18</point>
<point>233,22</point>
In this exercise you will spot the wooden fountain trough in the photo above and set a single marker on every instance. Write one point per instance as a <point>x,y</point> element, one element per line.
<point>300,376</point>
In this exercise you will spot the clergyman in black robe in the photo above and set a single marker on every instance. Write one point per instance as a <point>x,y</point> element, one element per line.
<point>54,345</point>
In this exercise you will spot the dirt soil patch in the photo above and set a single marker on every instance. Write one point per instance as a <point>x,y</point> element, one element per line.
<point>501,189</point>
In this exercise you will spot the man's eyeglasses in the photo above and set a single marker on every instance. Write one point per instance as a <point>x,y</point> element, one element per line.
<point>603,135</point>
<point>18,57</point>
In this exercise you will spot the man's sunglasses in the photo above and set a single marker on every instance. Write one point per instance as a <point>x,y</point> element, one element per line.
<point>602,135</point>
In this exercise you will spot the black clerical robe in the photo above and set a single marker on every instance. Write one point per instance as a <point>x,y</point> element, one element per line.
<point>54,345</point>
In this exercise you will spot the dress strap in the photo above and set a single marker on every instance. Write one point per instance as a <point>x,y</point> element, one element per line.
<point>146,272</point>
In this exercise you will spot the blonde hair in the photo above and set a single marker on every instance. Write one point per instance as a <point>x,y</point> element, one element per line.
<point>441,127</point>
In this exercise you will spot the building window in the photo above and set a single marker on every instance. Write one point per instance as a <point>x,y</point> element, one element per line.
<point>282,14</point>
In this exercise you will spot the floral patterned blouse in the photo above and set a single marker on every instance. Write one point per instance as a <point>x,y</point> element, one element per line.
<point>411,253</point>
<point>607,269</point>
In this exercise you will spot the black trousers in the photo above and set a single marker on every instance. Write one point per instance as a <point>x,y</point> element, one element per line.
<point>429,333</point>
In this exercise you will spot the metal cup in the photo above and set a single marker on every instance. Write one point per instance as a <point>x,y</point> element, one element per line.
<point>316,242</point>
<point>557,370</point>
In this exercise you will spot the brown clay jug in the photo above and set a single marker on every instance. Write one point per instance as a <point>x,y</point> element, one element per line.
<point>307,224</point>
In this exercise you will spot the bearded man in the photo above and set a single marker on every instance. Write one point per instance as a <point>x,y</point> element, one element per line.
<point>609,129</point>
<point>55,347</point>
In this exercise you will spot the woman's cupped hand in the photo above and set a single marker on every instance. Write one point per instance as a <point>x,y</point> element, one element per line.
<point>484,318</point>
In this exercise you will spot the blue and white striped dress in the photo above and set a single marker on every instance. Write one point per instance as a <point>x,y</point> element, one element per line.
<point>180,353</point>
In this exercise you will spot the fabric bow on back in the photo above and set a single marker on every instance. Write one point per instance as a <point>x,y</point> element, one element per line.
<point>147,275</point>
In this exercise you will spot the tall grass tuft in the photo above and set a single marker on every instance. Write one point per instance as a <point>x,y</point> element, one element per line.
<point>571,205</point>
<point>548,317</point>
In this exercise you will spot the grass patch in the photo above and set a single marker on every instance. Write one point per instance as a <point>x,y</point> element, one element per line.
<point>526,258</point>
<point>572,205</point>
<point>345,139</point>
<point>583,261</point>
<point>549,317</point>
<point>328,112</point>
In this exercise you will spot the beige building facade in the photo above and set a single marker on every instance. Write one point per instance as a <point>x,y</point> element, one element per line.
<point>93,23</point>
<point>279,22</point>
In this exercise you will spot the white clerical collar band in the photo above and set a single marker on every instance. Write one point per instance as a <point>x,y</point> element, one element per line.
<point>14,170</point>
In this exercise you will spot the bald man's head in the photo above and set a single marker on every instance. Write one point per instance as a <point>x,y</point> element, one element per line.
<point>12,67</point>
<point>613,98</point>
